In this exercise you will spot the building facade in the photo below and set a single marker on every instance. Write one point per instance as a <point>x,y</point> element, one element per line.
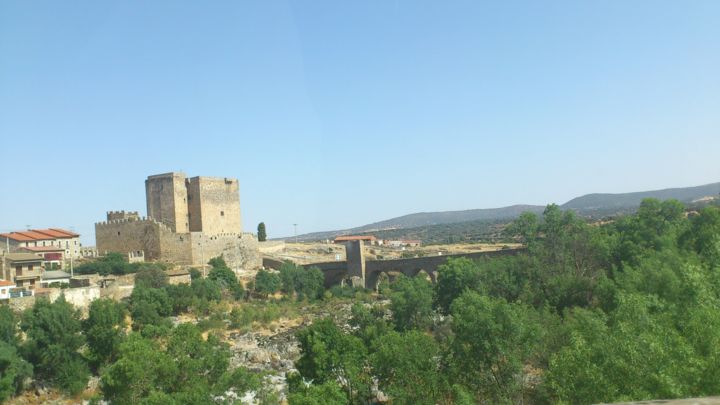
<point>38,238</point>
<point>23,269</point>
<point>190,220</point>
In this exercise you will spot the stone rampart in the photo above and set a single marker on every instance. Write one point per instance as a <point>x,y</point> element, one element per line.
<point>128,235</point>
<point>240,251</point>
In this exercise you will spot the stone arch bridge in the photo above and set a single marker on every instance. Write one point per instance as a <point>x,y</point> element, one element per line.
<point>370,272</point>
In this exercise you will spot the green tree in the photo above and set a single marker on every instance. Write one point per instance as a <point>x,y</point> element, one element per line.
<point>267,282</point>
<point>492,342</point>
<point>329,355</point>
<point>329,393</point>
<point>411,303</point>
<point>225,277</point>
<point>104,329</point>
<point>111,263</point>
<point>54,337</point>
<point>142,369</point>
<point>310,283</point>
<point>703,235</point>
<point>633,354</point>
<point>200,363</point>
<point>306,283</point>
<point>14,370</point>
<point>151,277</point>
<point>408,368</point>
<point>262,235</point>
<point>454,277</point>
<point>8,326</point>
<point>288,274</point>
<point>368,322</point>
<point>149,307</point>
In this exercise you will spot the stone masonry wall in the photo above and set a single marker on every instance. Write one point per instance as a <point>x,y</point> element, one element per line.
<point>124,236</point>
<point>240,251</point>
<point>175,247</point>
<point>166,197</point>
<point>216,202</point>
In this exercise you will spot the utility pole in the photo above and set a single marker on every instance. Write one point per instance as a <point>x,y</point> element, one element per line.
<point>295,225</point>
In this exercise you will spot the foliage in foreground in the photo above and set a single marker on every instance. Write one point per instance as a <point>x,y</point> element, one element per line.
<point>629,310</point>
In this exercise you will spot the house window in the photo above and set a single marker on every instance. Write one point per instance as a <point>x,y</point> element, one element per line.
<point>118,233</point>
<point>222,213</point>
<point>30,267</point>
<point>18,270</point>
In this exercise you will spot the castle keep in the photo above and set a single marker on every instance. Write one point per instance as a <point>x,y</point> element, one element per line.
<point>189,221</point>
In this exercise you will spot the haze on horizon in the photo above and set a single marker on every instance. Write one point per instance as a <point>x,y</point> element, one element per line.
<point>337,115</point>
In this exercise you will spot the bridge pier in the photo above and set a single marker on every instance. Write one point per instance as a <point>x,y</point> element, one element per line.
<point>355,254</point>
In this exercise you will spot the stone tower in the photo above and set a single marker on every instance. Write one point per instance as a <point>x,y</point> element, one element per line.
<point>167,203</point>
<point>214,205</point>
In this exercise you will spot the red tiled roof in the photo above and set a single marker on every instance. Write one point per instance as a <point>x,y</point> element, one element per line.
<point>57,233</point>
<point>348,238</point>
<point>39,234</point>
<point>5,283</point>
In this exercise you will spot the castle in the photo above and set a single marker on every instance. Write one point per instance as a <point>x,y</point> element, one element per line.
<point>189,221</point>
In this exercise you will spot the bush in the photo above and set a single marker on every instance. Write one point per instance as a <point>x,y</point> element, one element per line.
<point>52,344</point>
<point>226,278</point>
<point>267,283</point>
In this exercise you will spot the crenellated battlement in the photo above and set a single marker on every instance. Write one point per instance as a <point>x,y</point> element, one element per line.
<point>122,215</point>
<point>147,220</point>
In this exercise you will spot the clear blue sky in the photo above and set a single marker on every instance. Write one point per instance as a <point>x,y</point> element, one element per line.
<point>334,113</point>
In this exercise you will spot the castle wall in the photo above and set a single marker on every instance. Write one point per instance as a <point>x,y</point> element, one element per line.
<point>158,241</point>
<point>167,200</point>
<point>189,222</point>
<point>123,236</point>
<point>214,206</point>
<point>120,215</point>
<point>175,247</point>
<point>240,251</point>
<point>193,199</point>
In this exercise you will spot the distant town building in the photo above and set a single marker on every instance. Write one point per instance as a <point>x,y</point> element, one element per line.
<point>403,243</point>
<point>54,276</point>
<point>136,256</point>
<point>53,256</point>
<point>23,269</point>
<point>369,239</point>
<point>55,237</point>
<point>5,287</point>
<point>88,252</point>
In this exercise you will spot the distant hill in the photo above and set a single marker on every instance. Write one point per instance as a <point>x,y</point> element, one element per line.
<point>436,226</point>
<point>428,219</point>
<point>607,202</point>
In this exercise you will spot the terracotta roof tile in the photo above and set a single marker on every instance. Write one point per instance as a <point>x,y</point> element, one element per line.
<point>347,238</point>
<point>39,234</point>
